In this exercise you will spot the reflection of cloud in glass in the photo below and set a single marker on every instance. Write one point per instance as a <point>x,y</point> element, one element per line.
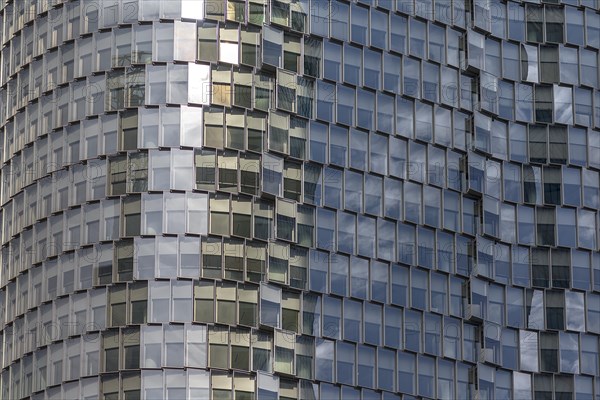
<point>563,105</point>
<point>587,228</point>
<point>574,311</point>
<point>536,313</point>
<point>522,385</point>
<point>530,63</point>
<point>529,349</point>
<point>569,352</point>
<point>324,349</point>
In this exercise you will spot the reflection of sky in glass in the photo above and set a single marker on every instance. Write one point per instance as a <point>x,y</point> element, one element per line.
<point>574,311</point>
<point>529,350</point>
<point>563,105</point>
<point>531,60</point>
<point>536,314</point>
<point>569,353</point>
<point>521,385</point>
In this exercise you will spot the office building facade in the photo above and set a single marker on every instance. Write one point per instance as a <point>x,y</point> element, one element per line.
<point>281,199</point>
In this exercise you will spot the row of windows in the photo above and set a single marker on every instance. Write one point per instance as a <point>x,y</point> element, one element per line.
<point>155,214</point>
<point>51,31</point>
<point>291,266</point>
<point>163,170</point>
<point>289,357</point>
<point>51,150</point>
<point>42,147</point>
<point>67,104</point>
<point>565,227</point>
<point>230,171</point>
<point>531,63</point>
<point>195,383</point>
<point>336,145</point>
<point>285,353</point>
<point>77,315</point>
<point>490,16</point>
<point>425,80</point>
<point>427,291</point>
<point>339,362</point>
<point>428,119</point>
<point>101,221</point>
<point>369,26</point>
<point>183,301</point>
<point>345,147</point>
<point>120,40</point>
<point>118,96</point>
<point>71,61</point>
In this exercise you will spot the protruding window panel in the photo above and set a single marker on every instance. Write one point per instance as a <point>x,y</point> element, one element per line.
<point>569,354</point>
<point>332,59</point>
<point>242,217</point>
<point>543,104</point>
<point>404,117</point>
<point>199,87</point>
<point>213,127</point>
<point>159,296</point>
<point>247,301</point>
<point>535,23</point>
<point>207,42</point>
<point>131,215</point>
<point>563,105</point>
<point>272,46</point>
<point>345,362</point>
<point>554,21</point>
<point>249,174</point>
<point>229,44</point>
<point>218,355</point>
<point>255,131</point>
<point>222,86</point>
<point>529,63</point>
<point>270,305</point>
<point>118,175</point>
<point>279,127</point>
<point>219,214</point>
<point>184,41</point>
<point>412,77</point>
<point>290,311</point>
<point>256,261</point>
<point>233,252</point>
<point>249,39</point>
<point>234,132</point>
<point>367,367</point>
<point>212,257</point>
<point>256,12</point>
<point>279,255</point>
<point>291,52</point>
<point>552,186</point>
<point>549,65</point>
<point>205,163</point>
<point>528,341</point>
<point>406,372</point>
<point>545,226</point>
<point>228,166</point>
<point>163,42</point>
<point>204,307</point>
<point>226,301</point>
<point>298,267</point>
<point>272,174</point>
